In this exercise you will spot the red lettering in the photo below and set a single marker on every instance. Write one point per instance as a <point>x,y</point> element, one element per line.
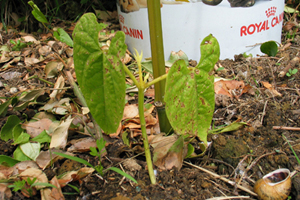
<point>257,27</point>
<point>281,17</point>
<point>133,32</point>
<point>249,31</point>
<point>243,31</point>
<point>267,27</point>
<point>274,21</point>
<point>140,34</point>
<point>263,27</point>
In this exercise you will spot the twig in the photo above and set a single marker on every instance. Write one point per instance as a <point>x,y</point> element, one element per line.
<point>286,128</point>
<point>223,198</point>
<point>264,113</point>
<point>222,178</point>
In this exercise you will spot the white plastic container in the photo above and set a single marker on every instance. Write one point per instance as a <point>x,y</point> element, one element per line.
<point>238,30</point>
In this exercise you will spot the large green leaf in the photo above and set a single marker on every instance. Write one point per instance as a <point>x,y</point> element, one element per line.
<point>100,73</point>
<point>190,93</point>
<point>7,130</point>
<point>210,53</point>
<point>38,15</point>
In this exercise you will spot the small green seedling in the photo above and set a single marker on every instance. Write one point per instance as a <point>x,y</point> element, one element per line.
<point>19,44</point>
<point>28,185</point>
<point>98,168</point>
<point>291,72</point>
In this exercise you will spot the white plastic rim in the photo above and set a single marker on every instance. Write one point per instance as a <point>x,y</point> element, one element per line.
<point>238,30</point>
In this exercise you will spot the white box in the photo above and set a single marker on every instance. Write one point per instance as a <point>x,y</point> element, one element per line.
<point>238,30</point>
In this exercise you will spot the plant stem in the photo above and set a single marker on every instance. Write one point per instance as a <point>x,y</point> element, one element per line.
<point>158,61</point>
<point>157,49</point>
<point>144,135</point>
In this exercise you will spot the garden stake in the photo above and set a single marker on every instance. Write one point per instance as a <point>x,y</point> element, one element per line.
<point>158,62</point>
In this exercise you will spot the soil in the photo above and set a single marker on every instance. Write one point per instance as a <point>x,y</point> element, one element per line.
<point>242,156</point>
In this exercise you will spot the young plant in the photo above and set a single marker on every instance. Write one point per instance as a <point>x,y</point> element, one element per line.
<point>99,168</point>
<point>291,72</point>
<point>101,76</point>
<point>19,44</point>
<point>58,33</point>
<point>28,186</point>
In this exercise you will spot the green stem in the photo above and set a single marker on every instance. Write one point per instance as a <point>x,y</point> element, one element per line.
<point>158,60</point>
<point>156,80</point>
<point>144,135</point>
<point>157,49</point>
<point>131,76</point>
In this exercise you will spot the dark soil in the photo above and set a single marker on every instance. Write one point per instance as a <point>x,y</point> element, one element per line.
<point>241,156</point>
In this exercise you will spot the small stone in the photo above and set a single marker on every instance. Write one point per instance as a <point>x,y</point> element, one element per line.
<point>13,90</point>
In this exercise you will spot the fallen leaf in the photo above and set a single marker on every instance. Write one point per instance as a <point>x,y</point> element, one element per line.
<point>60,134</point>
<point>5,192</point>
<point>74,176</point>
<point>82,144</point>
<point>130,111</point>
<point>45,158</point>
<point>231,88</point>
<point>270,89</point>
<point>169,151</point>
<point>60,83</point>
<point>22,166</point>
<point>35,128</point>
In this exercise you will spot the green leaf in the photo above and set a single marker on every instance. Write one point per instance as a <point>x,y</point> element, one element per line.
<point>7,130</point>
<point>17,131</point>
<point>231,127</point>
<point>43,137</point>
<point>7,161</point>
<point>189,94</point>
<point>270,48</point>
<point>63,36</point>
<point>100,73</point>
<point>74,158</point>
<point>4,107</point>
<point>31,150</point>
<point>38,15</point>
<point>174,56</point>
<point>122,173</point>
<point>23,138</point>
<point>19,155</point>
<point>210,53</point>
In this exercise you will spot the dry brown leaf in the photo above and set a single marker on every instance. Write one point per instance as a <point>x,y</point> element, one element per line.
<point>60,134</point>
<point>5,171</point>
<point>60,83</point>
<point>82,144</point>
<point>53,193</point>
<point>270,89</point>
<point>22,166</point>
<point>163,158</point>
<point>44,158</point>
<point>35,173</point>
<point>45,50</point>
<point>31,61</point>
<point>5,192</point>
<point>230,88</point>
<point>75,175</point>
<point>130,111</point>
<point>35,128</point>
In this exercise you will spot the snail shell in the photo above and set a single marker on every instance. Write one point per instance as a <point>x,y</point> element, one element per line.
<point>275,185</point>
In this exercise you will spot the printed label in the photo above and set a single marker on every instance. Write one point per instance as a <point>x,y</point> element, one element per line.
<point>264,25</point>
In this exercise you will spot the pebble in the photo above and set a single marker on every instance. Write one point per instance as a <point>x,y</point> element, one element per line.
<point>13,90</point>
